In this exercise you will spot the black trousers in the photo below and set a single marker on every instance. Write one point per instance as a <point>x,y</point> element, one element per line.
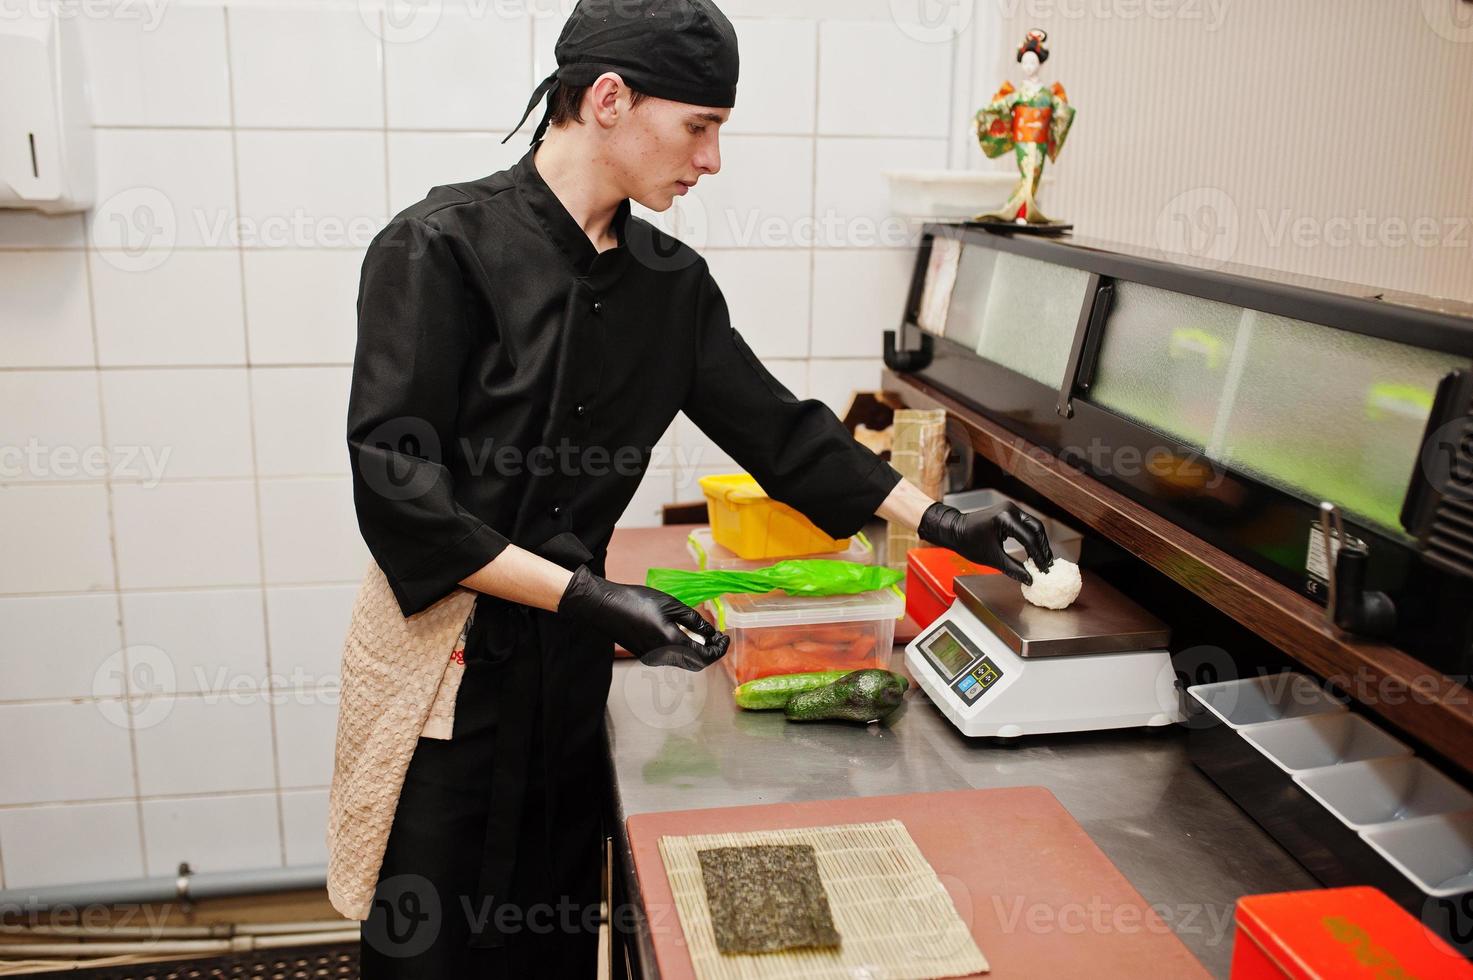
<point>426,904</point>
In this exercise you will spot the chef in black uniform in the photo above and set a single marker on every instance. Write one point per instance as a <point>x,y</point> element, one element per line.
<point>523,342</point>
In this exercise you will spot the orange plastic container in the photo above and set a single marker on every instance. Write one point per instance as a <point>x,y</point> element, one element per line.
<point>928,576</point>
<point>747,521</point>
<point>1337,934</point>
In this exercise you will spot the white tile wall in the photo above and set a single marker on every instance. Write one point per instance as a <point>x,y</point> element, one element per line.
<point>169,644</point>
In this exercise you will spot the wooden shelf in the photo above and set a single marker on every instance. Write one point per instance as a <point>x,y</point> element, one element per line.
<point>1421,701</point>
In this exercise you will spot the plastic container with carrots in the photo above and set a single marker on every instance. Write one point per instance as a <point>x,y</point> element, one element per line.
<point>775,633</point>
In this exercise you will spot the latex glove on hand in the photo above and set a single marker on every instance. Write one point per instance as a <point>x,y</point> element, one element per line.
<point>644,621</point>
<point>979,537</point>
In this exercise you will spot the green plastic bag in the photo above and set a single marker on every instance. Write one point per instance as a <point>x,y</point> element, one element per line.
<point>796,576</point>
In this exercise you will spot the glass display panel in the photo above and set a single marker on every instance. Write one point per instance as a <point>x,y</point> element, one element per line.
<point>1330,415</point>
<point>1320,413</point>
<point>1164,360</point>
<point>969,298</point>
<point>1029,311</point>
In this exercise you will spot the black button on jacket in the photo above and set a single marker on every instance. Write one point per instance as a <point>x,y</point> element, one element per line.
<point>510,383</point>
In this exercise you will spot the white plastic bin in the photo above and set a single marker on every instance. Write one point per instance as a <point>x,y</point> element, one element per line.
<point>1298,744</point>
<point>1435,853</point>
<point>1258,700</point>
<point>1378,791</point>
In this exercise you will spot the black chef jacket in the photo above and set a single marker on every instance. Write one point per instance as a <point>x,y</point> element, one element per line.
<point>509,385</point>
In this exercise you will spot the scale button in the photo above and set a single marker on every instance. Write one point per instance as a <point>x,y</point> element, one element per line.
<point>967,684</point>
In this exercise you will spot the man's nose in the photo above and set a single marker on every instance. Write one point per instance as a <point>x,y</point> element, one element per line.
<point>708,159</point>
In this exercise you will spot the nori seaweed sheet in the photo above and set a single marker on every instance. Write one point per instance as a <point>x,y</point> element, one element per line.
<point>766,897</point>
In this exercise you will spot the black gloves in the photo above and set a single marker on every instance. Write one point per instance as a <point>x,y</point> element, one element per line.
<point>646,622</point>
<point>979,537</point>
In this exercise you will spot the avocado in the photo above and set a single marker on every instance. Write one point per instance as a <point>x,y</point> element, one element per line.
<point>860,695</point>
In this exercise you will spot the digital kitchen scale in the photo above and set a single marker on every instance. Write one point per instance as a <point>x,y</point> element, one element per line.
<point>996,664</point>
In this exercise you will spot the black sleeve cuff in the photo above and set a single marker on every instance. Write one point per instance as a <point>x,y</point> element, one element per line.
<point>849,515</point>
<point>432,580</point>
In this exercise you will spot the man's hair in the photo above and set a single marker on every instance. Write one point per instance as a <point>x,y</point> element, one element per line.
<point>566,100</point>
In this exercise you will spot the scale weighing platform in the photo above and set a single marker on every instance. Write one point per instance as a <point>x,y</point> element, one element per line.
<point>995,664</point>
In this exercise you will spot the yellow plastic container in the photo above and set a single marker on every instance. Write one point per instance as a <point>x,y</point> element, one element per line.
<point>747,521</point>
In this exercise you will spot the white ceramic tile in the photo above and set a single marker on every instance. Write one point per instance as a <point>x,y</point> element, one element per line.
<point>766,292</point>
<point>852,198</point>
<point>858,294</point>
<point>47,322</point>
<point>194,422</point>
<point>305,67</point>
<point>301,420</point>
<point>67,524</point>
<point>158,189</point>
<point>196,744</point>
<point>419,161</point>
<point>72,752</point>
<point>187,310</point>
<point>655,491</point>
<point>212,833</point>
<point>163,70</point>
<point>877,80</point>
<point>310,189</point>
<point>771,100</point>
<point>213,640</point>
<point>835,381</point>
<point>51,426</point>
<point>301,305</point>
<point>63,845</point>
<point>304,815</point>
<point>306,725</point>
<point>762,197</point>
<point>548,20</point>
<point>186,534</point>
<point>472,71</point>
<point>309,531</point>
<point>307,625</point>
<point>58,647</point>
<point>33,229</point>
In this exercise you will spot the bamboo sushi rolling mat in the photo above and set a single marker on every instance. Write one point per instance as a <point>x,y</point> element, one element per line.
<point>894,917</point>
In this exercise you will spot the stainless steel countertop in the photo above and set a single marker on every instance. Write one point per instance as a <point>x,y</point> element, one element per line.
<point>677,742</point>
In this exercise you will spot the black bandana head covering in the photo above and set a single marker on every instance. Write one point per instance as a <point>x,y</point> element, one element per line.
<point>681,50</point>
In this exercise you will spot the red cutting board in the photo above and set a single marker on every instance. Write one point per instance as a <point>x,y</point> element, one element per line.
<point>1042,900</point>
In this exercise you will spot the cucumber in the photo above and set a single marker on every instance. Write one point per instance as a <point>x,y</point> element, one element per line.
<point>767,693</point>
<point>859,695</point>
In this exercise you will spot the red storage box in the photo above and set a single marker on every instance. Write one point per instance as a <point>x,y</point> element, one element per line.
<point>928,576</point>
<point>1340,933</point>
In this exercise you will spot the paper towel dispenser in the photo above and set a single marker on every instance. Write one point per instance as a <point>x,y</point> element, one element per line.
<point>46,151</point>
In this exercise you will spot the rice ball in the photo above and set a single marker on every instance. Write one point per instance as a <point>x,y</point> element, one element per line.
<point>1056,588</point>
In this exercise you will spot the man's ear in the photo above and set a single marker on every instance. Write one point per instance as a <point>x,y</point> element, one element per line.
<point>604,97</point>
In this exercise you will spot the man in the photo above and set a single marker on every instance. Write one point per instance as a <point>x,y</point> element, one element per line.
<point>523,343</point>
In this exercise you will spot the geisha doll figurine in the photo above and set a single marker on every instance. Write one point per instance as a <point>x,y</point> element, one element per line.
<point>1032,121</point>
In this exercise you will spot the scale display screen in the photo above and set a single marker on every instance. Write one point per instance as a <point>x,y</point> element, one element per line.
<point>947,653</point>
